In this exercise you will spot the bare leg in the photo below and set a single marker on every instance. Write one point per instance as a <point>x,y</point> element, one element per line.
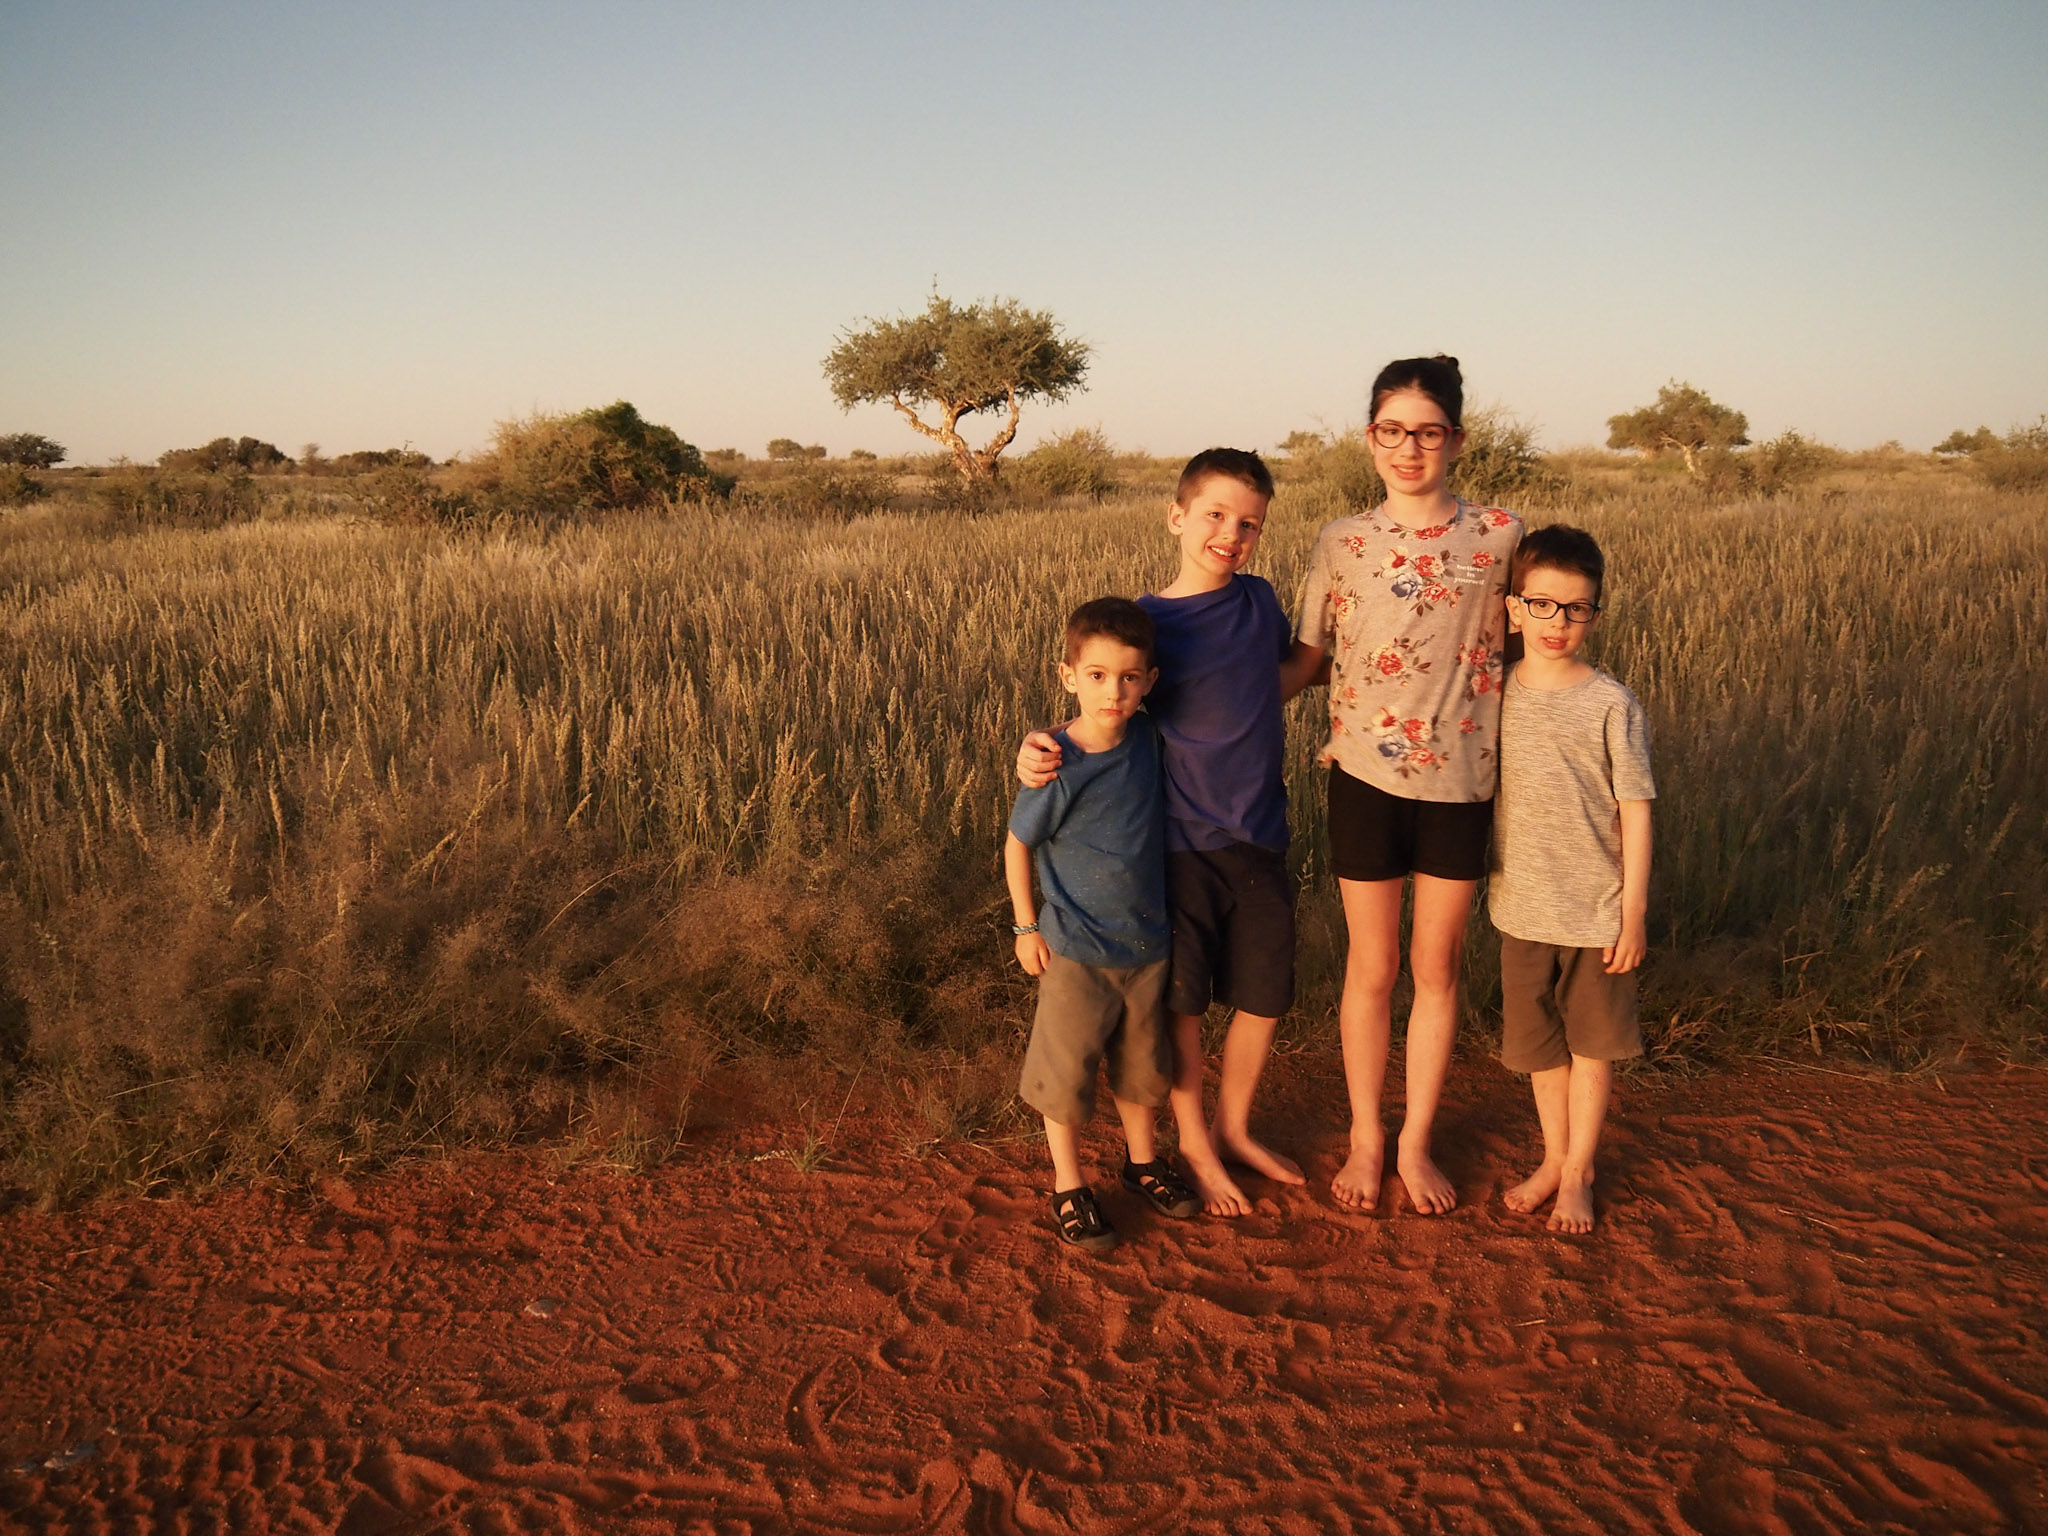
<point>1592,1086</point>
<point>1245,1050</point>
<point>1436,954</point>
<point>1552,1087</point>
<point>1372,917</point>
<point>1065,1142</point>
<point>1219,1192</point>
<point>1141,1143</point>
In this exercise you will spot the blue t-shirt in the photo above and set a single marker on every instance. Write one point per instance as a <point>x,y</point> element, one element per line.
<point>1098,832</point>
<point>1217,702</point>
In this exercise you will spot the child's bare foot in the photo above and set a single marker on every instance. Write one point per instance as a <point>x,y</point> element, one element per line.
<point>1574,1209</point>
<point>1533,1190</point>
<point>1259,1157</point>
<point>1357,1185</point>
<point>1428,1190</point>
<point>1219,1192</point>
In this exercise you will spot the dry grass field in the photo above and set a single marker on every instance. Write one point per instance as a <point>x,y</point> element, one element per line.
<point>324,840</point>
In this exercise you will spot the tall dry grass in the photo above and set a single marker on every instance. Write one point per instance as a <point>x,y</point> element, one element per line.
<point>326,840</point>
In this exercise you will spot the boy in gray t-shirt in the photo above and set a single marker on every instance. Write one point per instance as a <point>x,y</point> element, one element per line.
<point>1570,879</point>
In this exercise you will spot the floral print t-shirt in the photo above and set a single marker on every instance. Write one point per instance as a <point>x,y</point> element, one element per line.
<point>1414,620</point>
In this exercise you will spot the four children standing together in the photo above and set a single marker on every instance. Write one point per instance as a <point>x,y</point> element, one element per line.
<point>1159,835</point>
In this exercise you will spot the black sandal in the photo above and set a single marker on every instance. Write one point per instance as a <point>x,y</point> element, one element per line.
<point>1160,1183</point>
<point>1080,1222</point>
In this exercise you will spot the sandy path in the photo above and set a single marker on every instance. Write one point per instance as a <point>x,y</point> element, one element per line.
<point>1814,1304</point>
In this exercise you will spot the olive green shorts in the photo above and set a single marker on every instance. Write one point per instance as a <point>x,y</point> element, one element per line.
<point>1089,1014</point>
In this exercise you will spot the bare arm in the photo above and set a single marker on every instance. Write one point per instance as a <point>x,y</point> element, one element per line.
<point>1032,951</point>
<point>1627,952</point>
<point>1306,666</point>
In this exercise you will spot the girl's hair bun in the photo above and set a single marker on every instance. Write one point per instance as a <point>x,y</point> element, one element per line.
<point>1447,360</point>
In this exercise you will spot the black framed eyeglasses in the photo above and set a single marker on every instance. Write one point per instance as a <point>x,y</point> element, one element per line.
<point>1391,434</point>
<point>1546,608</point>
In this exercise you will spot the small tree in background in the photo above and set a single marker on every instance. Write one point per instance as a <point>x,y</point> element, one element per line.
<point>1685,419</point>
<point>30,450</point>
<point>225,453</point>
<point>954,361</point>
<point>1960,441</point>
<point>781,448</point>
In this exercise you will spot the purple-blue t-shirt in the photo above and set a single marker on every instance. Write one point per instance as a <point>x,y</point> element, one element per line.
<point>1217,704</point>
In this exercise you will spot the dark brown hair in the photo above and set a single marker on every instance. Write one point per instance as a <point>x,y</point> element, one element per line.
<point>1240,464</point>
<point>1437,377</point>
<point>1112,618</point>
<point>1560,547</point>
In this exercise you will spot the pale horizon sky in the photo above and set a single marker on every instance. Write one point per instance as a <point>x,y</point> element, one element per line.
<point>377,224</point>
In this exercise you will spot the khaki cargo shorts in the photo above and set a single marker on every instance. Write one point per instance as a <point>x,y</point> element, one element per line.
<point>1088,1014</point>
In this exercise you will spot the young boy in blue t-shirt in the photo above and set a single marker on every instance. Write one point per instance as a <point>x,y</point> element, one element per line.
<point>1222,641</point>
<point>1099,943</point>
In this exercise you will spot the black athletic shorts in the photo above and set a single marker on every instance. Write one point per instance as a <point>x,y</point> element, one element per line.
<point>1378,836</point>
<point>1233,930</point>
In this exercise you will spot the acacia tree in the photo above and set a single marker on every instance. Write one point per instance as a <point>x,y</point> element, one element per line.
<point>956,360</point>
<point>1685,419</point>
<point>30,450</point>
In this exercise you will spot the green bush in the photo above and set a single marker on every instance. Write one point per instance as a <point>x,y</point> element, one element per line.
<point>1785,463</point>
<point>2019,462</point>
<point>132,500</point>
<point>18,487</point>
<point>367,460</point>
<point>224,454</point>
<point>1079,463</point>
<point>825,494</point>
<point>604,459</point>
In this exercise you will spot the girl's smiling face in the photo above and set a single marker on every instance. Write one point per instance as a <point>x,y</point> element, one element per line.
<point>1408,468</point>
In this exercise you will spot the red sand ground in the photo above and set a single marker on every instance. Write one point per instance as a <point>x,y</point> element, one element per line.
<point>1814,1303</point>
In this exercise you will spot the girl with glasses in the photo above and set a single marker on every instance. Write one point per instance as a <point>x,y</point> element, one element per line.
<point>1406,600</point>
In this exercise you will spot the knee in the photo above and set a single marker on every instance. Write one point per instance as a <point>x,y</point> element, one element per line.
<point>1433,970</point>
<point>1371,976</point>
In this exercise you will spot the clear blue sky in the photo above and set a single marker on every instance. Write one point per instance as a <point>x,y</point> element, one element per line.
<point>371,223</point>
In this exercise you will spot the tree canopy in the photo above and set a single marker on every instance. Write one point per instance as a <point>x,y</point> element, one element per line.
<point>225,453</point>
<point>956,360</point>
<point>1683,418</point>
<point>30,450</point>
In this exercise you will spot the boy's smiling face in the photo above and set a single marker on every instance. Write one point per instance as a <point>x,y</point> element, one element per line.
<point>1108,680</point>
<point>1218,530</point>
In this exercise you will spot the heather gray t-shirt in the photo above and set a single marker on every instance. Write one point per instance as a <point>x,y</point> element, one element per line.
<point>1568,757</point>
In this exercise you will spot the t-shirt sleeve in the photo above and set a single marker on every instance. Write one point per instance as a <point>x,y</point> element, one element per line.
<point>1276,620</point>
<point>1039,812</point>
<point>1628,750</point>
<point>1315,627</point>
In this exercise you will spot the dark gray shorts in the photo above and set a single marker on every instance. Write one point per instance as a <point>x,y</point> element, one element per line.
<point>1557,1003</point>
<point>1233,930</point>
<point>1089,1014</point>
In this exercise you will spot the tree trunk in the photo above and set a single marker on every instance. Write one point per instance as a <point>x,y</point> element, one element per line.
<point>965,459</point>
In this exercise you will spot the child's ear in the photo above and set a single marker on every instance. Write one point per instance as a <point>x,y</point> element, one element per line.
<point>1068,679</point>
<point>1175,513</point>
<point>1514,614</point>
<point>1150,678</point>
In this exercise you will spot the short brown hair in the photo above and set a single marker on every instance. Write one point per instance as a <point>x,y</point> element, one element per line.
<point>1240,464</point>
<point>1111,618</point>
<point>1560,547</point>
